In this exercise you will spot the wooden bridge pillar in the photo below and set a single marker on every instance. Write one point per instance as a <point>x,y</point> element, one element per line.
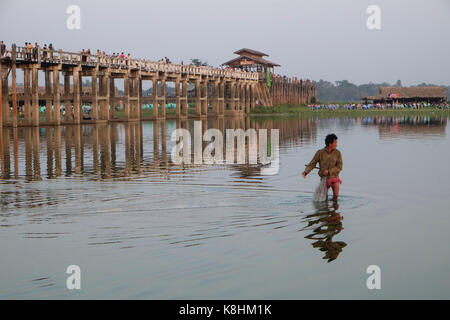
<point>177,97</point>
<point>215,98</point>
<point>222,97</point>
<point>14,88</point>
<point>198,93</point>
<point>155,97</point>
<point>35,96</point>
<point>105,101</point>
<point>5,99</point>
<point>1,103</point>
<point>247,98</point>
<point>138,114</point>
<point>76,95</point>
<point>112,96</point>
<point>204,98</point>
<point>67,102</point>
<point>48,95</point>
<point>126,97</point>
<point>163,97</point>
<point>57,98</point>
<point>232,96</point>
<point>94,94</point>
<point>27,96</point>
<point>185,101</point>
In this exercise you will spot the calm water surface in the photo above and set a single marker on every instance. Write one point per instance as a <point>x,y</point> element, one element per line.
<point>108,199</point>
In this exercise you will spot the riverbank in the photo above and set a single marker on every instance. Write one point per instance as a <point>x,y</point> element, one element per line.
<point>295,110</point>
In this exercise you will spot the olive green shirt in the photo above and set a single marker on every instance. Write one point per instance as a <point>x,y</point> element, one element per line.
<point>327,161</point>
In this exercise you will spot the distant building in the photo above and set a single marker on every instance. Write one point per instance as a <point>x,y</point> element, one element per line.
<point>251,60</point>
<point>410,94</point>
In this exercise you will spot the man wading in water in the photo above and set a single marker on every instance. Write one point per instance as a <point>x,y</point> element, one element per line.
<point>330,164</point>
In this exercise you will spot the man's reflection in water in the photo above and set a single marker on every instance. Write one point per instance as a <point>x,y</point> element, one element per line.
<point>325,224</point>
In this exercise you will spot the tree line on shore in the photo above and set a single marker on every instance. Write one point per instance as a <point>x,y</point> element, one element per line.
<point>346,91</point>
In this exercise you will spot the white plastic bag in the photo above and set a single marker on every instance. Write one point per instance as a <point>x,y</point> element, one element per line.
<point>321,193</point>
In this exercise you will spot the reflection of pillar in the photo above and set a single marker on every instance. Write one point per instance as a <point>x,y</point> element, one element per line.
<point>28,154</point>
<point>6,162</point>
<point>128,139</point>
<point>164,143</point>
<point>95,149</point>
<point>36,154</point>
<point>139,146</point>
<point>68,140</point>
<point>57,137</point>
<point>16,152</point>
<point>78,139</point>
<point>112,136</point>
<point>49,136</point>
<point>105,151</point>
<point>156,143</point>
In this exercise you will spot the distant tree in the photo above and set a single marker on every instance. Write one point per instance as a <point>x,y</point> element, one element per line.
<point>345,91</point>
<point>197,62</point>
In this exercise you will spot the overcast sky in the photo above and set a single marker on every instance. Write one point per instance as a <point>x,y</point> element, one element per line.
<point>316,39</point>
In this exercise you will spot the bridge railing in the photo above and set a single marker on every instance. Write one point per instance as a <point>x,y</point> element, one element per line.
<point>52,56</point>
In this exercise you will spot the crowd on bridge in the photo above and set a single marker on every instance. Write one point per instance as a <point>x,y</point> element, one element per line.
<point>379,106</point>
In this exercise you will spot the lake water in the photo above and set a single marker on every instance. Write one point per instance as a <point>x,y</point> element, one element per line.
<point>108,199</point>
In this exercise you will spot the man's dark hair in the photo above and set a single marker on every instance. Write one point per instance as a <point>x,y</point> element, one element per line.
<point>330,139</point>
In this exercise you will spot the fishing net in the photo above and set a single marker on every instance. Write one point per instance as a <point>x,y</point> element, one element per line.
<point>321,193</point>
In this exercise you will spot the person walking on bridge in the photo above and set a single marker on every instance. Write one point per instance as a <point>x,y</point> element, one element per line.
<point>330,165</point>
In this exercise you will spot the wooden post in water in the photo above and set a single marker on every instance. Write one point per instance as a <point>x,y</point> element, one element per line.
<point>163,97</point>
<point>35,96</point>
<point>76,95</point>
<point>1,100</point>
<point>56,98</point>
<point>14,88</point>
<point>184,93</point>
<point>177,97</point>
<point>94,94</point>
<point>198,107</point>
<point>155,97</point>
<point>27,96</point>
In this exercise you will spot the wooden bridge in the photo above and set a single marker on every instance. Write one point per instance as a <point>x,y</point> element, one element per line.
<point>217,92</point>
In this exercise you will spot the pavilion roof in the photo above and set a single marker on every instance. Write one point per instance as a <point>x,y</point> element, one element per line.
<point>257,60</point>
<point>257,53</point>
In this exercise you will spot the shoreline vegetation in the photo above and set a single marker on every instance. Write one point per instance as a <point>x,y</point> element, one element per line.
<point>296,110</point>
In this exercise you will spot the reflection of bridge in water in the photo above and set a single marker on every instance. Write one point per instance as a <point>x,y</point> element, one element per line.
<point>104,151</point>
